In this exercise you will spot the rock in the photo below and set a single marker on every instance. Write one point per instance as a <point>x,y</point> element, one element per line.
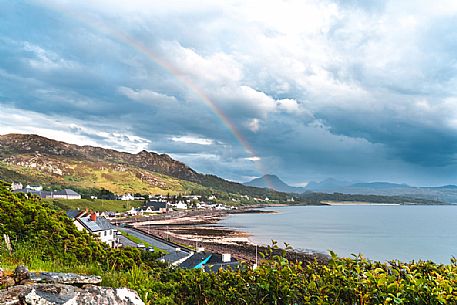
<point>59,294</point>
<point>64,278</point>
<point>21,273</point>
<point>8,282</point>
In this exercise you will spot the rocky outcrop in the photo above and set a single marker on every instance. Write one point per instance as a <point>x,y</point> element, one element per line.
<point>52,288</point>
<point>64,278</point>
<point>33,146</point>
<point>60,294</point>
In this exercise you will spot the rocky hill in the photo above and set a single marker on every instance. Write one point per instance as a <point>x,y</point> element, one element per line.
<point>273,182</point>
<point>12,145</point>
<point>36,159</point>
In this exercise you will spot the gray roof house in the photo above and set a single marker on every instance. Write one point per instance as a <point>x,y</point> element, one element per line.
<point>98,226</point>
<point>210,262</point>
<point>66,194</point>
<point>154,206</point>
<point>176,257</point>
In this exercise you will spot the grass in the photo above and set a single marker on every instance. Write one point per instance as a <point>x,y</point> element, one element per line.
<point>27,255</point>
<point>137,241</point>
<point>96,204</point>
<point>98,175</point>
<point>32,257</point>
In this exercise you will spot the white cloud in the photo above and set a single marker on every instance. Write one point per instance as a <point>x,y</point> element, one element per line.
<point>217,68</point>
<point>46,60</point>
<point>69,130</point>
<point>189,139</point>
<point>254,125</point>
<point>289,105</point>
<point>146,96</point>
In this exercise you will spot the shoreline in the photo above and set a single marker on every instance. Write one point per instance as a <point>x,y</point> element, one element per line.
<point>203,230</point>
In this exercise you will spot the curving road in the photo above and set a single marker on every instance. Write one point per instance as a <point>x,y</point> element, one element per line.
<point>151,240</point>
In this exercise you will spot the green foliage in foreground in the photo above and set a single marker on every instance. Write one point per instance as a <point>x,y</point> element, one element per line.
<point>26,219</point>
<point>45,240</point>
<point>275,281</point>
<point>278,281</point>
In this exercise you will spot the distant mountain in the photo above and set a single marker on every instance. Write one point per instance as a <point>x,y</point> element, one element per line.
<point>446,187</point>
<point>273,182</point>
<point>327,185</point>
<point>36,159</point>
<point>379,185</point>
<point>447,193</point>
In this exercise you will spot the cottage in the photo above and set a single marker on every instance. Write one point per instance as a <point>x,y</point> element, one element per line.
<point>127,197</point>
<point>98,226</point>
<point>180,205</point>
<point>132,212</point>
<point>66,194</point>
<point>16,186</point>
<point>209,262</point>
<point>37,188</point>
<point>176,257</point>
<point>155,207</point>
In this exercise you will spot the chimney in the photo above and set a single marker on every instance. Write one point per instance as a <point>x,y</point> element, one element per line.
<point>93,216</point>
<point>226,258</point>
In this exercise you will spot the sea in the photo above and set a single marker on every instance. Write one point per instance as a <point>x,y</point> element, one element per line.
<point>378,232</point>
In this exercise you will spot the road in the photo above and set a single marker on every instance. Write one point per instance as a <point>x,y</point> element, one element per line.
<point>150,240</point>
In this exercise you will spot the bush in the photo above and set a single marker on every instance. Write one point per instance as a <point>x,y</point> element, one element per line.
<point>46,239</point>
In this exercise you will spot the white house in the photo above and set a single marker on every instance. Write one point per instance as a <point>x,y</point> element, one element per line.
<point>127,197</point>
<point>180,205</point>
<point>132,212</point>
<point>16,186</point>
<point>37,188</point>
<point>98,226</point>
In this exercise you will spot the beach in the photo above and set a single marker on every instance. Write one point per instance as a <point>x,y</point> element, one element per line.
<point>201,229</point>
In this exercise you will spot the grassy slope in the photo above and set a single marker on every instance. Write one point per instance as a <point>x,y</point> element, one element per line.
<point>95,205</point>
<point>90,175</point>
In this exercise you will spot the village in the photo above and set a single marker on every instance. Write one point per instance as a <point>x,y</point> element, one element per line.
<point>144,226</point>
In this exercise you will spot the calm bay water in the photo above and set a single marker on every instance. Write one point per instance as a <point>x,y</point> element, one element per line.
<point>379,232</point>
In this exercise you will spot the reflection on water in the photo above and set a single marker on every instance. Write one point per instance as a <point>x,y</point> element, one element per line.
<point>378,232</point>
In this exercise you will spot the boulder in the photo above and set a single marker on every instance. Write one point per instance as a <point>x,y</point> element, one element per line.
<point>59,294</point>
<point>64,278</point>
<point>21,273</point>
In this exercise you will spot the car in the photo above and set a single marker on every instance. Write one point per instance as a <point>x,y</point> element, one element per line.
<point>150,249</point>
<point>141,246</point>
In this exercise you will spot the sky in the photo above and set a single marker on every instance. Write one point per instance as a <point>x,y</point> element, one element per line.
<point>306,90</point>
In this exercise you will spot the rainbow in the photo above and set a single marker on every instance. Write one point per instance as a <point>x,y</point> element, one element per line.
<point>170,68</point>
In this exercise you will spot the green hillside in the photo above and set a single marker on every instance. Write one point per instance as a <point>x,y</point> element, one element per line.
<point>33,159</point>
<point>89,175</point>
